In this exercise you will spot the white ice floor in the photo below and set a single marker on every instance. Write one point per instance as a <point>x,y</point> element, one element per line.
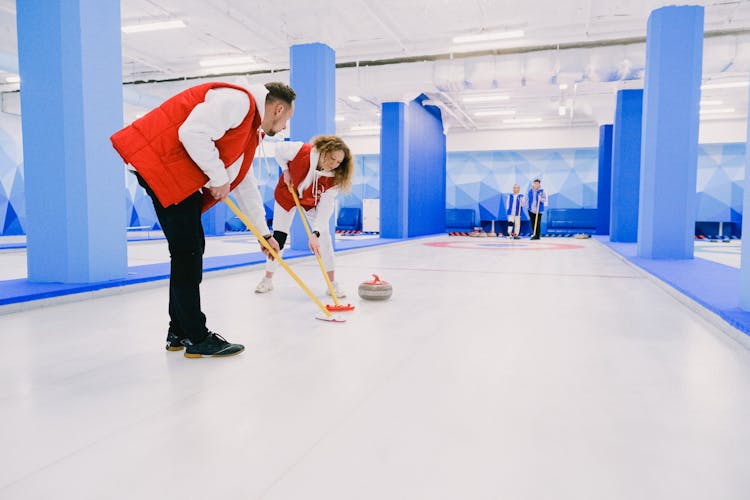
<point>530,372</point>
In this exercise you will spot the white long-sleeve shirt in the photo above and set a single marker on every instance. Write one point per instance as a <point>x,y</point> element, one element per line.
<point>285,152</point>
<point>224,109</point>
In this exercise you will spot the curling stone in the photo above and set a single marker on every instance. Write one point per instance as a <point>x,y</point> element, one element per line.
<point>375,289</point>
<point>582,236</point>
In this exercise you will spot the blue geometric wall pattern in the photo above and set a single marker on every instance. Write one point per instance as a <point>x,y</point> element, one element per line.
<point>476,180</point>
<point>267,172</point>
<point>721,174</point>
<point>482,180</point>
<point>365,182</point>
<point>12,200</point>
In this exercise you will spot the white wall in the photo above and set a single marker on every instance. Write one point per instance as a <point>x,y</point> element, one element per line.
<point>711,132</point>
<point>497,140</point>
<point>521,139</point>
<point>715,131</point>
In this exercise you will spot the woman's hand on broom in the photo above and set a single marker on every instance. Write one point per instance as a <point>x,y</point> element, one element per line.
<point>274,244</point>
<point>314,244</point>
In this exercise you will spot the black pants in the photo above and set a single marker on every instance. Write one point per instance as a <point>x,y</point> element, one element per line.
<point>182,226</point>
<point>536,225</point>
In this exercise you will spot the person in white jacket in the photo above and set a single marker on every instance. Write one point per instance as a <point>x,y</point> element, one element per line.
<point>319,171</point>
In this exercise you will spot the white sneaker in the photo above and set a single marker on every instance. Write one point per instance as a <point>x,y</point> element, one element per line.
<point>340,293</point>
<point>265,285</point>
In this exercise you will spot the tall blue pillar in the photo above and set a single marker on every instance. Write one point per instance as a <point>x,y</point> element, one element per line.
<point>604,182</point>
<point>674,57</point>
<point>394,154</point>
<point>412,170</point>
<point>626,166</point>
<point>313,78</point>
<point>745,259</point>
<point>426,172</point>
<point>71,101</point>
<point>214,220</point>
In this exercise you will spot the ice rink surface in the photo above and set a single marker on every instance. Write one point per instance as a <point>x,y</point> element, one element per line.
<point>525,370</point>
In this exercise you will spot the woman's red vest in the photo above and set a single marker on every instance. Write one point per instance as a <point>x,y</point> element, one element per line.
<point>152,146</point>
<point>298,169</point>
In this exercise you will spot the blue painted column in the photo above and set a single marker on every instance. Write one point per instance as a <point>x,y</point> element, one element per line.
<point>626,166</point>
<point>426,171</point>
<point>71,101</point>
<point>412,170</point>
<point>394,156</point>
<point>604,182</point>
<point>669,169</point>
<point>313,78</point>
<point>214,219</point>
<point>745,259</point>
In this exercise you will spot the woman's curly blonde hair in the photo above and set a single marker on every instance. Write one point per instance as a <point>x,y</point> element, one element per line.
<point>342,175</point>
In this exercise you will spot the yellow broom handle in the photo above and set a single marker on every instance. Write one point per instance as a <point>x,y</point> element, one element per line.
<point>275,255</point>
<point>309,235</point>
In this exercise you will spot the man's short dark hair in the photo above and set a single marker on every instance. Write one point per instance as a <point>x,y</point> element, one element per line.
<point>537,180</point>
<point>278,91</point>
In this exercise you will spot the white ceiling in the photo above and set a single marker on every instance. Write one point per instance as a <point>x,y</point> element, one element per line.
<point>393,50</point>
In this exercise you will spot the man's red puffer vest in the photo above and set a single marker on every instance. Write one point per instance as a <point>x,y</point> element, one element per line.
<point>152,146</point>
<point>298,169</point>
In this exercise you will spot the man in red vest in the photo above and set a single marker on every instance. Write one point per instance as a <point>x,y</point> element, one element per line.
<point>188,154</point>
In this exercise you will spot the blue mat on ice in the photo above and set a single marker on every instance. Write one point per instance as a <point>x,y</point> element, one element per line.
<point>21,290</point>
<point>715,286</point>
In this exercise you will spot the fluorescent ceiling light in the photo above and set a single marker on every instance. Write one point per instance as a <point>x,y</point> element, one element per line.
<point>355,98</point>
<point>339,118</point>
<point>237,68</point>
<point>163,25</point>
<point>488,37</point>
<point>712,103</point>
<point>522,120</point>
<point>496,112</point>
<point>365,127</point>
<point>485,98</point>
<point>13,79</point>
<point>717,110</point>
<point>563,86</point>
<point>227,61</point>
<point>476,47</point>
<point>562,110</point>
<point>727,85</point>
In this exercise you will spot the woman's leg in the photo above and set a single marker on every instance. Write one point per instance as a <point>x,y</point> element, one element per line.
<point>282,221</point>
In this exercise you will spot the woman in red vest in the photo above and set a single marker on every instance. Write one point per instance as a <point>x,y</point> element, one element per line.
<point>188,154</point>
<point>319,172</point>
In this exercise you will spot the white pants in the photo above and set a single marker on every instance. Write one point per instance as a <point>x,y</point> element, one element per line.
<point>516,219</point>
<point>282,221</point>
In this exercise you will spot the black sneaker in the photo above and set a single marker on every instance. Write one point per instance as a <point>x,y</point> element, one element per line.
<point>213,345</point>
<point>174,341</point>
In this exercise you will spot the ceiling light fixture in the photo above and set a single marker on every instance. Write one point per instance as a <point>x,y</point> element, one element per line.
<point>355,98</point>
<point>361,128</point>
<point>13,79</point>
<point>237,68</point>
<point>484,98</point>
<point>496,112</point>
<point>227,61</point>
<point>717,110</point>
<point>163,25</point>
<point>488,37</point>
<point>339,118</point>
<point>522,120</point>
<point>727,85</point>
<point>712,103</point>
<point>561,110</point>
